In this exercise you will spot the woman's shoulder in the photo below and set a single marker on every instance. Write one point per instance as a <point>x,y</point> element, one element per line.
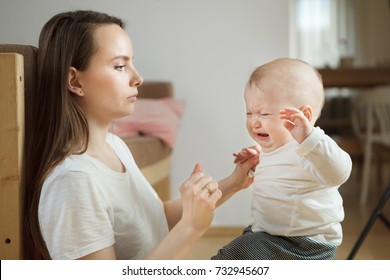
<point>72,165</point>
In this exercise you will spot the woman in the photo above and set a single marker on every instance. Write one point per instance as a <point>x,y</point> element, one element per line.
<point>85,196</point>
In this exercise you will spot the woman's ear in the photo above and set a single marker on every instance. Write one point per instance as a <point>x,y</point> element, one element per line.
<point>308,112</point>
<point>73,82</point>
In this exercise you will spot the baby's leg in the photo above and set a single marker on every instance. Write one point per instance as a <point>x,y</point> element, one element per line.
<point>248,246</point>
<point>263,246</point>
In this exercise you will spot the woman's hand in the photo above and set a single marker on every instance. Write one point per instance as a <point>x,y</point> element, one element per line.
<point>199,196</point>
<point>189,217</point>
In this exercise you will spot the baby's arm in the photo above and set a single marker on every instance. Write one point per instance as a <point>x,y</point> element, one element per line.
<point>321,156</point>
<point>297,123</point>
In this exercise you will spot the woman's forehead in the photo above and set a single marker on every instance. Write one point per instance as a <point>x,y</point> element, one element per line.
<point>113,40</point>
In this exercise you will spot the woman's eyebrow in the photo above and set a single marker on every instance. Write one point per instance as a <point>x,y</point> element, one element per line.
<point>122,57</point>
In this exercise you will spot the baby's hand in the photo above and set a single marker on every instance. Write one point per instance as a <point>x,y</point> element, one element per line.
<point>297,123</point>
<point>246,161</point>
<point>246,153</point>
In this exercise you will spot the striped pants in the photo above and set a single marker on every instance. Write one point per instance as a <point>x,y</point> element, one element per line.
<point>263,246</point>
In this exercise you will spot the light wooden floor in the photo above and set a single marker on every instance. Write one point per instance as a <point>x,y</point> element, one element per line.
<point>375,247</point>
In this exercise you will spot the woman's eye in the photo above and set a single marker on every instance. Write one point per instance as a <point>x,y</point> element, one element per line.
<point>119,67</point>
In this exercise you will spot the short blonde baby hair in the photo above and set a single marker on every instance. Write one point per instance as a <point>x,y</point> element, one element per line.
<point>302,78</point>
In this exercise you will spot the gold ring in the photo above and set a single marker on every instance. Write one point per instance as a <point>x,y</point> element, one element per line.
<point>211,190</point>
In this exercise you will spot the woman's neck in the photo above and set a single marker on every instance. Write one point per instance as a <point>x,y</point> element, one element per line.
<point>102,151</point>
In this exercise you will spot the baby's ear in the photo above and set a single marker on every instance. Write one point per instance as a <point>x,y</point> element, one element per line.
<point>308,112</point>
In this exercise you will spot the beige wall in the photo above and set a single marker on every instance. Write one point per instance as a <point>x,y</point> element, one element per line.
<point>373,35</point>
<point>206,49</point>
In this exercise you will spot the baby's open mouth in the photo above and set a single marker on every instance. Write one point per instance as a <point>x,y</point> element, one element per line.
<point>262,134</point>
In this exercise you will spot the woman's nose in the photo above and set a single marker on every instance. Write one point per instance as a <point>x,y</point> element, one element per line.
<point>136,80</point>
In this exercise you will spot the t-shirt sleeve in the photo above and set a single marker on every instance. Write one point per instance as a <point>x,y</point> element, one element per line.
<point>74,217</point>
<point>322,157</point>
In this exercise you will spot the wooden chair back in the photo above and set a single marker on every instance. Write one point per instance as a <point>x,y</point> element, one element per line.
<point>17,83</point>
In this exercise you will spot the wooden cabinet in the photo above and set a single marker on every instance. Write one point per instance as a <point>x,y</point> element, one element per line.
<point>335,119</point>
<point>355,77</point>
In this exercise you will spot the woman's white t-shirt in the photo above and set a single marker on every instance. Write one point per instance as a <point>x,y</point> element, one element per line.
<point>86,206</point>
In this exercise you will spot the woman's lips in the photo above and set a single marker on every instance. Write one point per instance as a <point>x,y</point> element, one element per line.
<point>132,98</point>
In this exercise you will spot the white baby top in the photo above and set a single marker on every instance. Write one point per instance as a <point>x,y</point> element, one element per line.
<point>295,189</point>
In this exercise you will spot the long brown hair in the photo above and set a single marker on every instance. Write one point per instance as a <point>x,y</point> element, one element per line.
<point>59,127</point>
